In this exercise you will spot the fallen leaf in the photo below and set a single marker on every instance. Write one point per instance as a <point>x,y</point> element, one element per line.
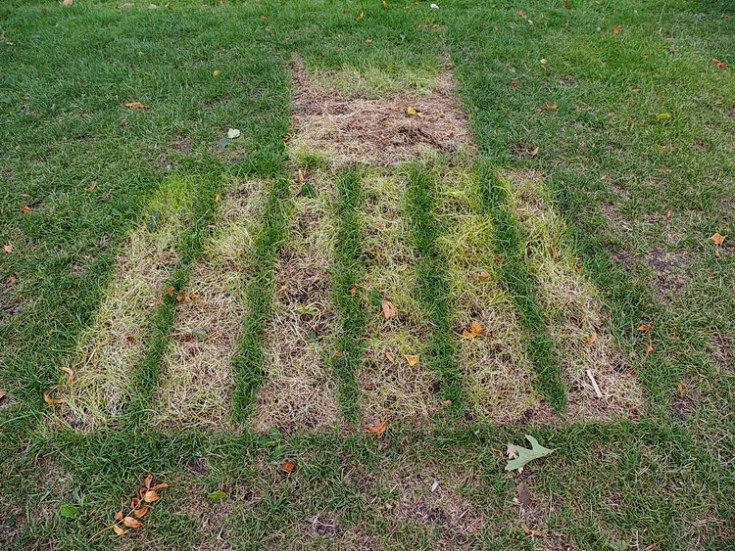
<point>131,522</point>
<point>140,513</point>
<point>68,2</point>
<point>69,374</point>
<point>3,394</point>
<point>26,209</point>
<point>217,495</point>
<point>389,309</point>
<point>567,5</point>
<point>533,152</point>
<point>51,401</point>
<point>368,41</point>
<point>669,213</point>
<point>119,531</point>
<point>514,83</point>
<point>411,112</point>
<point>353,290</point>
<point>161,486</point>
<point>682,390</point>
<point>136,105</point>
<point>148,481</point>
<point>91,187</point>
<point>483,276</point>
<point>551,106</point>
<point>717,238</point>
<point>412,359</point>
<point>126,6</point>
<point>378,428</point>
<point>719,64</point>
<point>447,403</point>
<point>530,532</point>
<point>524,455</point>
<point>288,466</point>
<point>361,16</point>
<point>645,327</point>
<point>385,5</point>
<point>151,496</point>
<point>8,249</point>
<point>390,357</point>
<point>216,73</point>
<point>301,175</point>
<point>135,501</point>
<point>119,516</point>
<point>521,13</point>
<point>649,349</point>
<point>617,29</point>
<point>591,339</point>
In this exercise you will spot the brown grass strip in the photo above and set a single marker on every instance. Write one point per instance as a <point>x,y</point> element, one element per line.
<point>393,390</point>
<point>299,391</point>
<point>498,372</point>
<point>574,308</point>
<point>377,131</point>
<point>197,379</point>
<point>111,348</point>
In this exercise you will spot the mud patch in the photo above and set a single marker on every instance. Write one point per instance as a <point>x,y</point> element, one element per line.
<point>300,390</point>
<point>197,379</point>
<point>391,389</point>
<point>577,319</point>
<point>377,131</point>
<point>498,373</point>
<point>111,348</point>
<point>670,271</point>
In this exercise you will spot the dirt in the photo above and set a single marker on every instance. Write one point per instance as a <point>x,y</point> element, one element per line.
<point>670,270</point>
<point>377,131</point>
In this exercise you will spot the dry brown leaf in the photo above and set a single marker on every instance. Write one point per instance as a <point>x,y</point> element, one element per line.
<point>467,334</point>
<point>161,486</point>
<point>551,106</point>
<point>131,522</point>
<point>412,359</point>
<point>521,13</point>
<point>645,327</point>
<point>718,239</point>
<point>151,496</point>
<point>8,248</point>
<point>140,513</point>
<point>592,339</point>
<point>288,466</point>
<point>119,531</point>
<point>136,105</point>
<point>483,276</point>
<point>301,176</point>
<point>3,394</point>
<point>649,349</point>
<point>91,187</point>
<point>378,428</point>
<point>148,481</point>
<point>533,152</point>
<point>617,29</point>
<point>26,209</point>
<point>530,532</point>
<point>447,403</point>
<point>135,502</point>
<point>682,390</point>
<point>119,516</point>
<point>719,64</point>
<point>69,374</point>
<point>389,357</point>
<point>389,309</point>
<point>51,401</point>
<point>353,290</point>
<point>669,213</point>
<point>476,327</point>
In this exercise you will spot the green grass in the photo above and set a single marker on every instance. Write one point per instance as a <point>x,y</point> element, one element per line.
<point>612,168</point>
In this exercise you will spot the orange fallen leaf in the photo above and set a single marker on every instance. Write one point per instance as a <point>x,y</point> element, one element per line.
<point>649,349</point>
<point>412,359</point>
<point>131,522</point>
<point>389,309</point>
<point>719,64</point>
<point>3,394</point>
<point>26,209</point>
<point>136,105</point>
<point>119,531</point>
<point>8,249</point>
<point>521,13</point>
<point>148,481</point>
<point>682,390</point>
<point>140,513</point>
<point>717,238</point>
<point>288,466</point>
<point>447,403</point>
<point>669,213</point>
<point>119,516</point>
<point>90,188</point>
<point>151,496</point>
<point>353,290</point>
<point>378,428</point>
<point>550,106</point>
<point>644,327</point>
<point>592,339</point>
<point>530,532</point>
<point>69,374</point>
<point>51,401</point>
<point>161,486</point>
<point>617,29</point>
<point>533,152</point>
<point>514,83</point>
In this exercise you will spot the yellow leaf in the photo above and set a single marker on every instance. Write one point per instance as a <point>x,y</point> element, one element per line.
<point>136,105</point>
<point>361,16</point>
<point>412,359</point>
<point>389,309</point>
<point>131,522</point>
<point>151,496</point>
<point>216,73</point>
<point>51,401</point>
<point>378,428</point>
<point>410,111</point>
<point>353,290</point>
<point>119,531</point>
<point>483,276</point>
<point>717,238</point>
<point>447,403</point>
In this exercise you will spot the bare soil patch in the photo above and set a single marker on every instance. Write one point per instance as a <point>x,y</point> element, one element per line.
<point>377,131</point>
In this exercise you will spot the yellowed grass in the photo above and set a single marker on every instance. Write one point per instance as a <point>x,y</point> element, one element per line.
<point>197,379</point>
<point>394,390</point>
<point>111,347</point>
<point>498,373</point>
<point>574,308</point>
<point>300,390</point>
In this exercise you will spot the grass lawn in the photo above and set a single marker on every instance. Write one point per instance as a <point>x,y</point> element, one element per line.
<point>433,230</point>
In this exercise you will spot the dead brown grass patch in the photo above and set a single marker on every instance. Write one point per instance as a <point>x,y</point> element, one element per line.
<point>498,373</point>
<point>197,379</point>
<point>377,131</point>
<point>577,319</point>
<point>393,390</point>
<point>300,391</point>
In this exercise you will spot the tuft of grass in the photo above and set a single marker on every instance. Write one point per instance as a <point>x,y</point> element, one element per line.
<point>516,275</point>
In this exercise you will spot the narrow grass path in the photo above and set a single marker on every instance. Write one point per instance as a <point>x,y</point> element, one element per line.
<point>147,375</point>
<point>434,288</point>
<point>249,363</point>
<point>348,273</point>
<point>517,276</point>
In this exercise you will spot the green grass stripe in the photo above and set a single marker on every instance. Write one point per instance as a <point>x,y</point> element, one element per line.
<point>518,278</point>
<point>147,375</point>
<point>433,283</point>
<point>348,272</point>
<point>249,363</point>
